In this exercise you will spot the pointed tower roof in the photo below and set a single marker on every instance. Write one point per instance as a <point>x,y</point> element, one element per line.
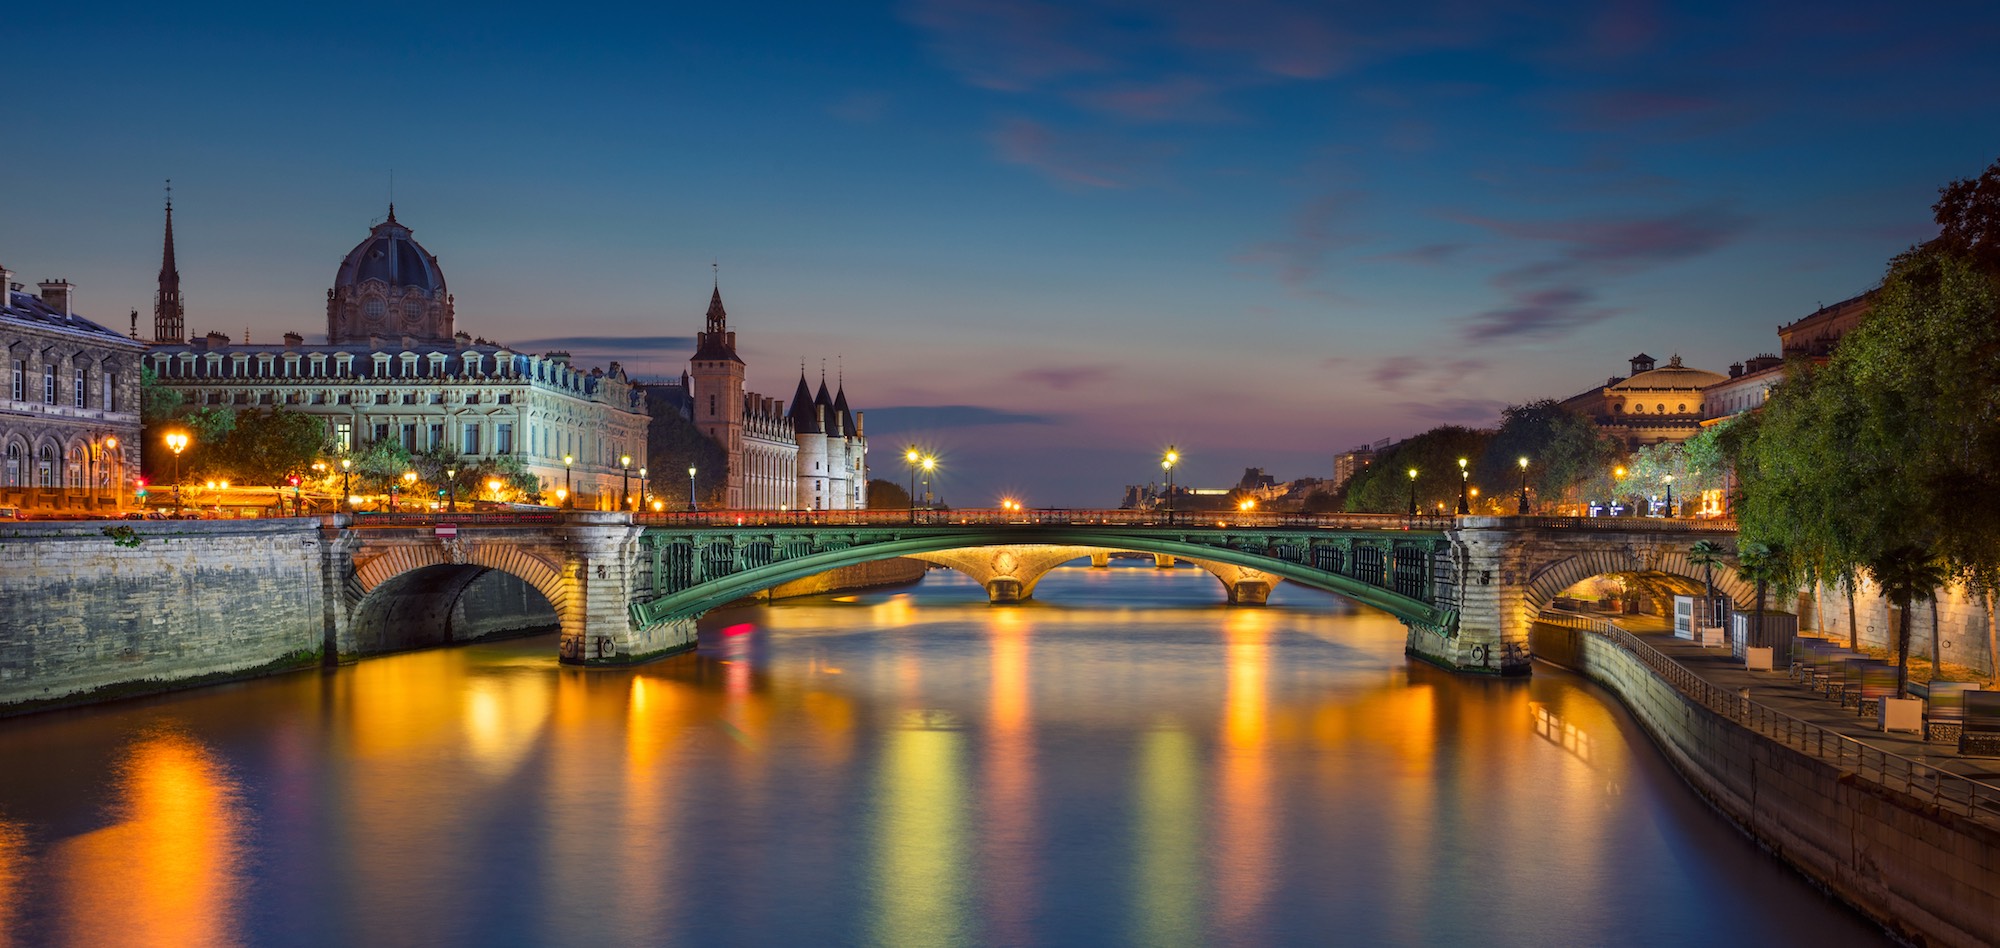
<point>168,312</point>
<point>840,409</point>
<point>717,344</point>
<point>805,420</point>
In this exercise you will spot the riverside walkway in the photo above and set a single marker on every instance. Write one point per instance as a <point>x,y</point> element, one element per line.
<point>1793,714</point>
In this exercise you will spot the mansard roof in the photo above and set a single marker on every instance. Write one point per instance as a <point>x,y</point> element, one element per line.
<point>29,308</point>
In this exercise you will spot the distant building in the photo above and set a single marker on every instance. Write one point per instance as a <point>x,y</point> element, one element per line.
<point>810,455</point>
<point>1354,460</point>
<point>1816,335</point>
<point>69,419</point>
<point>1651,406</point>
<point>1748,386</point>
<point>394,370</point>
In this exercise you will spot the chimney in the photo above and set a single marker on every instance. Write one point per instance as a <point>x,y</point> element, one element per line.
<point>1735,370</point>
<point>294,340</point>
<point>55,295</point>
<point>217,340</point>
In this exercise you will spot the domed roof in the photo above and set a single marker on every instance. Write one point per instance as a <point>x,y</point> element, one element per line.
<point>392,256</point>
<point>1672,375</point>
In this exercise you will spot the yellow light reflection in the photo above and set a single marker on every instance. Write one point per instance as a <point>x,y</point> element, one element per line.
<point>13,881</point>
<point>1244,836</point>
<point>1167,907</point>
<point>919,890</point>
<point>1008,849</point>
<point>169,873</point>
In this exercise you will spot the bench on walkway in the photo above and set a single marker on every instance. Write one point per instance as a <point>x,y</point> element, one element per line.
<point>1979,730</point>
<point>1867,682</point>
<point>1944,706</point>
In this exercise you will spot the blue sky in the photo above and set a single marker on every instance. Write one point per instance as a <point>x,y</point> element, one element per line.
<point>1046,239</point>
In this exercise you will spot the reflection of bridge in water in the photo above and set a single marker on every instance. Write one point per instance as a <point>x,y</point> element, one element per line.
<point>624,590</point>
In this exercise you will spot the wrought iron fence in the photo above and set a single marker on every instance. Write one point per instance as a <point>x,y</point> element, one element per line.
<point>1943,789</point>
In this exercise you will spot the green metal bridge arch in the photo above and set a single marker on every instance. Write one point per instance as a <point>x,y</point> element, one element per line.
<point>687,571</point>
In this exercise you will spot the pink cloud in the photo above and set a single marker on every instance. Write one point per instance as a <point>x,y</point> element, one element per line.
<point>1089,161</point>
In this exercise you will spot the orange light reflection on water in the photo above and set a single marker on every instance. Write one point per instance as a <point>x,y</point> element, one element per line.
<point>169,871</point>
<point>1243,838</point>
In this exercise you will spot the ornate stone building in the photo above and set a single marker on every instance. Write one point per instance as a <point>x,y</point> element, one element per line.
<point>810,456</point>
<point>394,370</point>
<point>69,411</point>
<point>1651,406</point>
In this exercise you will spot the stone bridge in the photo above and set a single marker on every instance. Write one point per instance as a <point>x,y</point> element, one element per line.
<point>625,591</point>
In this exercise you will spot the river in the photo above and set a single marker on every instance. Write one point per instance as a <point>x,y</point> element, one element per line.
<point>1124,761</point>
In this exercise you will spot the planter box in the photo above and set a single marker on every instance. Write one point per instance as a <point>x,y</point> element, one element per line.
<point>1901,714</point>
<point>1713,636</point>
<point>1757,658</point>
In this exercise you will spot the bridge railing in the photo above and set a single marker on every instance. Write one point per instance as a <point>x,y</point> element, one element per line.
<point>1627,524</point>
<point>1941,788</point>
<point>427,518</point>
<point>1044,516</point>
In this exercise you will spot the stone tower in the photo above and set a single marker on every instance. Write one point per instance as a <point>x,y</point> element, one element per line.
<point>169,316</point>
<point>715,384</point>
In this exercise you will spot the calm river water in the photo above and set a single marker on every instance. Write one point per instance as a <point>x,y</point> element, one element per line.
<point>1125,761</point>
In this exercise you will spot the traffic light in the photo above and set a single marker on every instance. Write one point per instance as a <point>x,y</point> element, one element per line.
<point>293,480</point>
<point>139,487</point>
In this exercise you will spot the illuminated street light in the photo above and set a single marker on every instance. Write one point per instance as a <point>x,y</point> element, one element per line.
<point>451,488</point>
<point>691,502</point>
<point>345,489</point>
<point>1524,485</point>
<point>177,441</point>
<point>1670,494</point>
<point>1413,492</point>
<point>929,464</point>
<point>641,500</point>
<point>567,486</point>
<point>624,480</point>
<point>911,457</point>
<point>493,488</point>
<point>1167,462</point>
<point>1464,484</point>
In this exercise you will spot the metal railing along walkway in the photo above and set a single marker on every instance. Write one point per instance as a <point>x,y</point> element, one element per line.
<point>1955,793</point>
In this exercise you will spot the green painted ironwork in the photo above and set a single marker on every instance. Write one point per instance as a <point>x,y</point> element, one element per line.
<point>690,569</point>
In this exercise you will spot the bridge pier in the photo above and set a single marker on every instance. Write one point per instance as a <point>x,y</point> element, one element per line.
<point>1163,561</point>
<point>1009,573</point>
<point>1100,559</point>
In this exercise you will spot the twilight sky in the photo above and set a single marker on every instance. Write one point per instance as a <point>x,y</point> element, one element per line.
<point>1046,239</point>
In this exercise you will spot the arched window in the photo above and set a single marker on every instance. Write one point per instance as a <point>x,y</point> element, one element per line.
<point>374,307</point>
<point>73,474</point>
<point>17,455</point>
<point>1662,409</point>
<point>1683,409</point>
<point>45,467</point>
<point>1638,409</point>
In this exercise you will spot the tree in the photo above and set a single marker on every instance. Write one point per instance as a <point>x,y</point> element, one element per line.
<point>887,495</point>
<point>1564,450</point>
<point>1906,572</point>
<point>1320,501</point>
<point>1765,566</point>
<point>674,444</point>
<point>1384,486</point>
<point>1968,217</point>
<point>1707,554</point>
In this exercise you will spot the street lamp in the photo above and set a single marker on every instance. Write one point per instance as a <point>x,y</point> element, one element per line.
<point>624,480</point>
<point>177,441</point>
<point>1413,492</point>
<point>1670,495</point>
<point>640,504</point>
<point>1524,485</point>
<point>929,465</point>
<point>691,503</point>
<point>1464,482</point>
<point>451,488</point>
<point>567,486</point>
<point>1167,462</point>
<point>910,457</point>
<point>346,492</point>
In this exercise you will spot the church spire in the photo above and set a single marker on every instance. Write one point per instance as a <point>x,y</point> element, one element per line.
<point>168,313</point>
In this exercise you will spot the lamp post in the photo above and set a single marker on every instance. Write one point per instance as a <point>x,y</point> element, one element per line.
<point>451,488</point>
<point>1524,485</point>
<point>1167,462</point>
<point>1413,492</point>
<point>177,441</point>
<point>691,503</point>
<point>910,457</point>
<point>346,492</point>
<point>929,465</point>
<point>624,481</point>
<point>1464,482</point>
<point>493,488</point>
<point>1670,495</point>
<point>1617,484</point>
<point>640,504</point>
<point>569,492</point>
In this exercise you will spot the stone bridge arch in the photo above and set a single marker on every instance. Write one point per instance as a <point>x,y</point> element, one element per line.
<point>1551,578</point>
<point>414,592</point>
<point>1010,572</point>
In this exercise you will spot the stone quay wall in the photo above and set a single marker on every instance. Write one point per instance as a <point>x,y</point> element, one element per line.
<point>1964,632</point>
<point>159,604</point>
<point>1931,876</point>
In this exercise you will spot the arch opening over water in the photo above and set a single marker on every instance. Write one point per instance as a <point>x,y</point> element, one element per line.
<point>448,604</point>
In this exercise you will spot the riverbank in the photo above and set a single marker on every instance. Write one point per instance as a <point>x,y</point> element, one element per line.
<point>1914,848</point>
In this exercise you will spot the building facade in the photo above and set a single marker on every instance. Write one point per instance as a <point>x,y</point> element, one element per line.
<point>69,411</point>
<point>395,370</point>
<point>810,455</point>
<point>1653,405</point>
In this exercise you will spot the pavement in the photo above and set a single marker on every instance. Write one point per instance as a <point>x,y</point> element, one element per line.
<point>1777,691</point>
